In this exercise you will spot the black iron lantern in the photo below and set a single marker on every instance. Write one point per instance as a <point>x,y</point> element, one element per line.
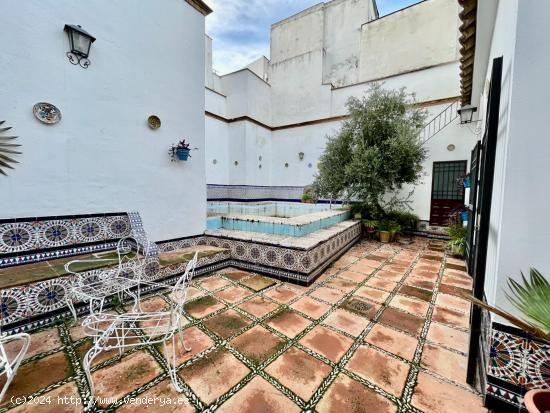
<point>466,113</point>
<point>80,41</point>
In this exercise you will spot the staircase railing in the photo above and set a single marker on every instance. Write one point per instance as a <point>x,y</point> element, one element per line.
<point>439,122</point>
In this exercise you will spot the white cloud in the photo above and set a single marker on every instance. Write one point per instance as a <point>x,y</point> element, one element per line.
<point>240,29</point>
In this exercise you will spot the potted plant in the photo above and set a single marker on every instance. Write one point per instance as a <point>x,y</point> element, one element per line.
<point>394,230</point>
<point>180,151</point>
<point>457,235</point>
<point>384,231</point>
<point>370,227</point>
<point>531,297</point>
<point>307,198</point>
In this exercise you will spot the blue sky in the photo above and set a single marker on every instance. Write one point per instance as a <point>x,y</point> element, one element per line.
<point>240,28</point>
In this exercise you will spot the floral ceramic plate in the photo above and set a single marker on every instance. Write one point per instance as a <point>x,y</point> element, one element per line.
<point>46,112</point>
<point>154,122</point>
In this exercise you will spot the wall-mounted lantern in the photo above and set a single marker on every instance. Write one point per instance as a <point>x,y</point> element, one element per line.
<point>466,113</point>
<point>301,156</point>
<point>80,41</point>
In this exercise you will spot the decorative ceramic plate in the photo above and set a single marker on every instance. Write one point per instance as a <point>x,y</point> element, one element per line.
<point>46,112</point>
<point>153,122</point>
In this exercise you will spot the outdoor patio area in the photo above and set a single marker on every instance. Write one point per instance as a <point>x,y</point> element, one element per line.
<point>382,330</point>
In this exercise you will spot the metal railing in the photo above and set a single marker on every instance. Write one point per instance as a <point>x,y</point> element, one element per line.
<point>439,122</point>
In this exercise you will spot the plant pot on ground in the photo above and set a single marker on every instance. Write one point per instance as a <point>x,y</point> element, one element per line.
<point>394,230</point>
<point>384,231</point>
<point>537,401</point>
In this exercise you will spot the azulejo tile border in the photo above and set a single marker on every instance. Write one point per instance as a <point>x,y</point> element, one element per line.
<point>29,237</point>
<point>516,363</point>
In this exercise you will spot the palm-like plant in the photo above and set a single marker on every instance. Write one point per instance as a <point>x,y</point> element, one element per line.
<point>532,298</point>
<point>7,148</point>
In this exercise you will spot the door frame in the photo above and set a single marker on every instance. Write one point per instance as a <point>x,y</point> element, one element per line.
<point>461,201</point>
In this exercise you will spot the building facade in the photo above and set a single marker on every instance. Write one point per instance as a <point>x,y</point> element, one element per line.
<point>267,124</point>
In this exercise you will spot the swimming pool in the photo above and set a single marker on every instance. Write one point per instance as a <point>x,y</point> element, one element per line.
<point>280,218</point>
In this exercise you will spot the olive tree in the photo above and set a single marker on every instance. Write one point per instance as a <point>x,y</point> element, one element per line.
<point>376,151</point>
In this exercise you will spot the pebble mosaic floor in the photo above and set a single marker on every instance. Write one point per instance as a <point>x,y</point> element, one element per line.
<point>382,330</point>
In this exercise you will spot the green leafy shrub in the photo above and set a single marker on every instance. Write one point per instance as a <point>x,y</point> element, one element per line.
<point>407,220</point>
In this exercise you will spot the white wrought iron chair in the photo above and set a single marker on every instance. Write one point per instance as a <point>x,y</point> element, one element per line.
<point>9,363</point>
<point>156,327</point>
<point>96,285</point>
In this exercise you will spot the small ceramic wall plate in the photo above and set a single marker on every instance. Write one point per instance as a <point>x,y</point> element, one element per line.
<point>153,122</point>
<point>46,113</point>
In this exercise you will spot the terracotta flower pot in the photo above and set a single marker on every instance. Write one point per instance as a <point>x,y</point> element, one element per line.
<point>385,236</point>
<point>537,401</point>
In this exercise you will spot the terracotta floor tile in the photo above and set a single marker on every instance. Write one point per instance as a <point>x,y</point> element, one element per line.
<point>37,375</point>
<point>452,302</point>
<point>214,374</point>
<point>324,341</point>
<point>400,269</point>
<point>413,306</point>
<point>434,396</point>
<point>416,292</point>
<point>389,275</point>
<point>259,396</point>
<point>448,337</point>
<point>203,306</point>
<point>347,322</point>
<point>152,304</point>
<point>235,274</point>
<point>452,290</point>
<point>213,283</point>
<point>165,399</point>
<point>386,372</point>
<point>373,294</point>
<point>258,283</point>
<point>402,321</point>
<point>258,344</point>
<point>258,306</point>
<point>463,275</point>
<point>328,294</point>
<point>193,337</point>
<point>227,323</point>
<point>451,317</point>
<point>299,371</point>
<point>381,284</point>
<point>289,323</point>
<point>458,267</point>
<point>374,263</point>
<point>347,395</point>
<point>458,282</point>
<point>393,341</point>
<point>424,274</point>
<point>310,307</point>
<point>352,276</point>
<point>192,292</point>
<point>57,404</point>
<point>341,284</point>
<point>344,261</point>
<point>121,378</point>
<point>281,294</point>
<point>362,267</point>
<point>41,342</point>
<point>444,362</point>
<point>419,282</point>
<point>83,348</point>
<point>233,294</point>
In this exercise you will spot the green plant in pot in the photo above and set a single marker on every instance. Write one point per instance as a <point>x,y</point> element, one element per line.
<point>370,226</point>
<point>394,230</point>
<point>180,151</point>
<point>384,233</point>
<point>531,296</point>
<point>457,233</point>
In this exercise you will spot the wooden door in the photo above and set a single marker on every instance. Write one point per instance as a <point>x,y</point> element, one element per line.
<point>447,190</point>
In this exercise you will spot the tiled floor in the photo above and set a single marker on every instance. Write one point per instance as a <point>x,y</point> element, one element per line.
<point>382,330</point>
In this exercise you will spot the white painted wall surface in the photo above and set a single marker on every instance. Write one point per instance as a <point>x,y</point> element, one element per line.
<point>102,157</point>
<point>420,36</point>
<point>520,221</point>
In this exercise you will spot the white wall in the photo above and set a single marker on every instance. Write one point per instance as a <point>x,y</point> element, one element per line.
<point>520,224</point>
<point>102,157</point>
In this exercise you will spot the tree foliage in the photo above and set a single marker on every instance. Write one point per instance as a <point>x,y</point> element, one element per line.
<point>376,151</point>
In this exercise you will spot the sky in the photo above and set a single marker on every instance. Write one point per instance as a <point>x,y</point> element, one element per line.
<point>240,28</point>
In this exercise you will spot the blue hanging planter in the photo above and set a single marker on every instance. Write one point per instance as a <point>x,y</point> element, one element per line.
<point>465,215</point>
<point>467,182</point>
<point>182,154</point>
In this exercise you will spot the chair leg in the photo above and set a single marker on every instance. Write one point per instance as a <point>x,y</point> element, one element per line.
<point>180,334</point>
<point>87,364</point>
<point>70,304</point>
<point>171,362</point>
<point>11,367</point>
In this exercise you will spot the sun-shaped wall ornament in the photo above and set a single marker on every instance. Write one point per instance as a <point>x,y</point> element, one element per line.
<point>7,149</point>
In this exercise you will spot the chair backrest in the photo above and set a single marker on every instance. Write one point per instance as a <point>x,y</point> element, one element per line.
<point>183,282</point>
